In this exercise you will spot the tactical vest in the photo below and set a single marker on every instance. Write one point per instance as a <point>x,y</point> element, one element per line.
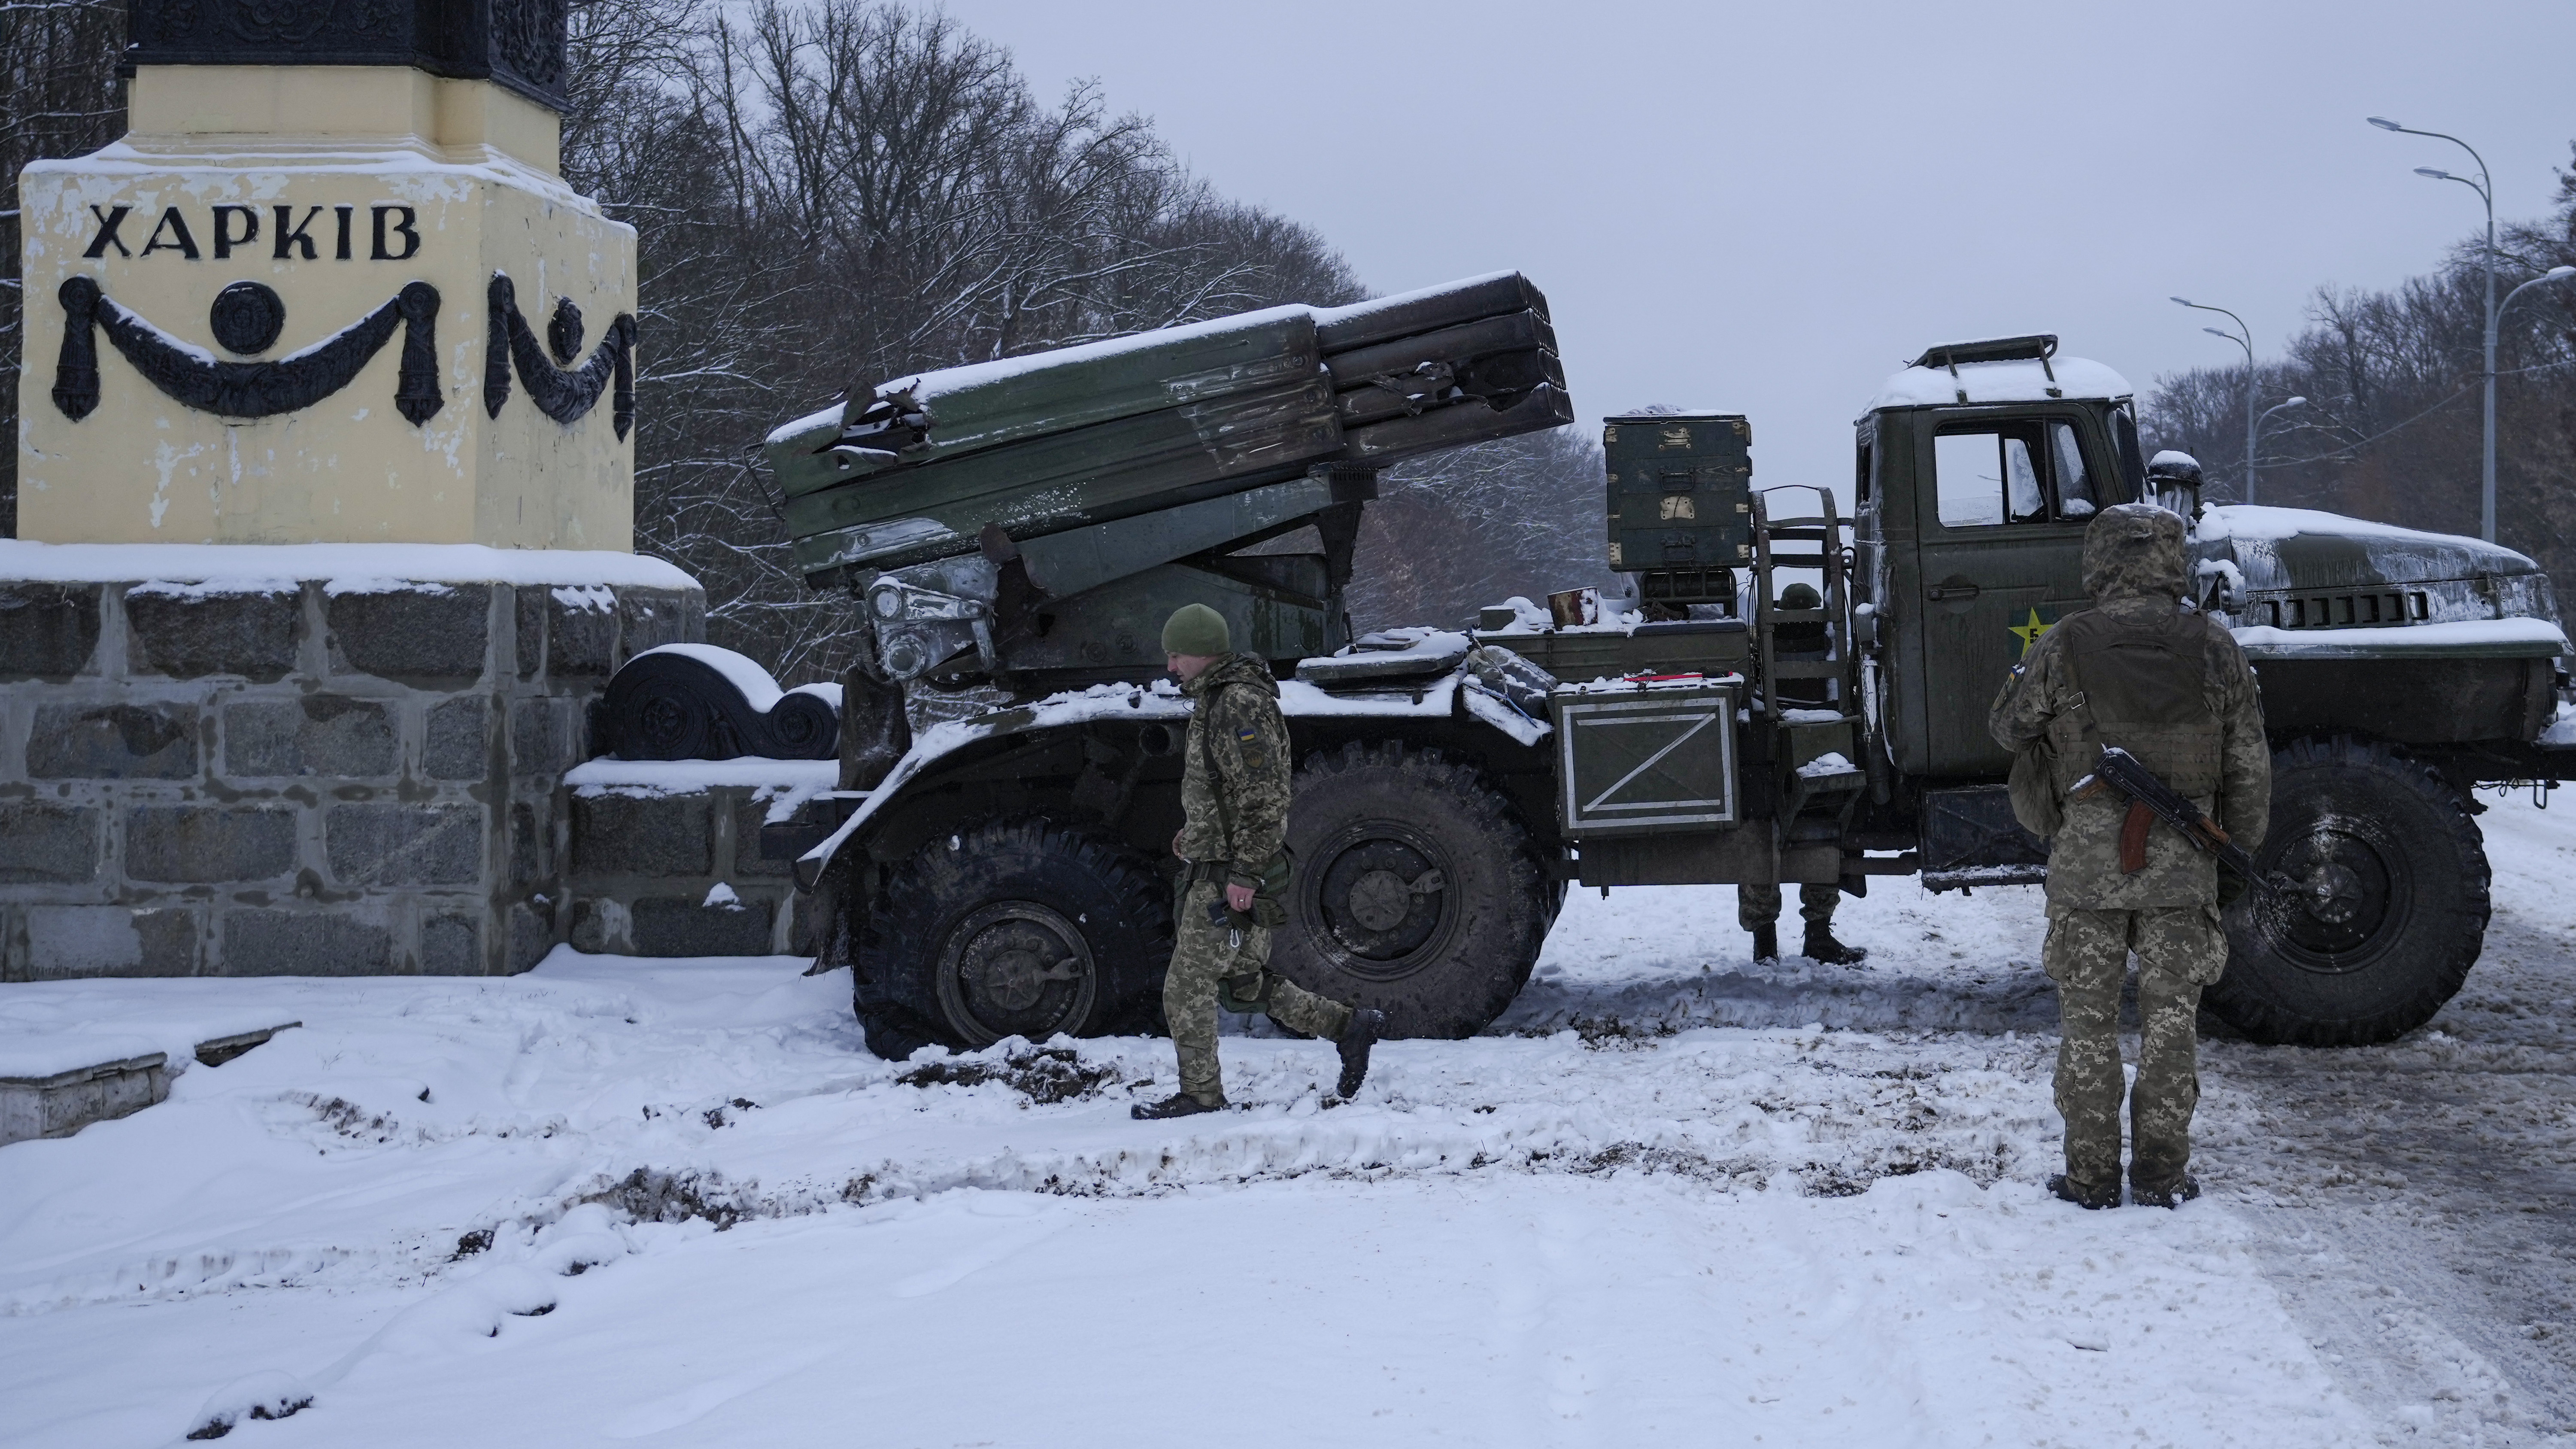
<point>2144,688</point>
<point>1276,872</point>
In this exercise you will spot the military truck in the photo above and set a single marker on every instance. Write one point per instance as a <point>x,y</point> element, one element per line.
<point>998,861</point>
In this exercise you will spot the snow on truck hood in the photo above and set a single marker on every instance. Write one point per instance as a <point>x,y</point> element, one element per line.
<point>2000,382</point>
<point>2301,548</point>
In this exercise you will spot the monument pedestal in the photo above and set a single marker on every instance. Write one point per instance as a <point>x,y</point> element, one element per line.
<point>326,492</point>
<point>325,304</point>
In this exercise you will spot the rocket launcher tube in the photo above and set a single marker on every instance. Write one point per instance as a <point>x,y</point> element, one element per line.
<point>919,468</point>
<point>961,410</point>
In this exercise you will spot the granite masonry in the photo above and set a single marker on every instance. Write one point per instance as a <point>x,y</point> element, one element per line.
<point>326,777</point>
<point>674,866</point>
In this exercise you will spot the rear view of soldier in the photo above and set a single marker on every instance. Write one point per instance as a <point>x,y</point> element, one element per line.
<point>2170,686</point>
<point>1234,808</point>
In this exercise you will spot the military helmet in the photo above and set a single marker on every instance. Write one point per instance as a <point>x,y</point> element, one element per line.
<point>2175,468</point>
<point>1800,596</point>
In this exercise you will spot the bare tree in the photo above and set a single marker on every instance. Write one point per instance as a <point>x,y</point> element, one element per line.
<point>1455,531</point>
<point>59,96</point>
<point>2391,429</point>
<point>830,195</point>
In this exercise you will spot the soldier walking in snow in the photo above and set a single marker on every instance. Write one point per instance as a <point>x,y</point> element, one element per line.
<point>1234,810</point>
<point>2139,671</point>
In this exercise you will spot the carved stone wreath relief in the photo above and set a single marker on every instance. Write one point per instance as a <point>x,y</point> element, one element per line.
<point>560,391</point>
<point>247,318</point>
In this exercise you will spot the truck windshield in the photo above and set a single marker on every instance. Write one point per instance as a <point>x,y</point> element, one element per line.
<point>2124,437</point>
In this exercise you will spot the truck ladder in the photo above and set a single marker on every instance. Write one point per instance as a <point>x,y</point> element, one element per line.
<point>1817,543</point>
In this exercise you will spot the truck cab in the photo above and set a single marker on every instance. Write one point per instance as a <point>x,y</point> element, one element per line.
<point>2399,670</point>
<point>1978,468</point>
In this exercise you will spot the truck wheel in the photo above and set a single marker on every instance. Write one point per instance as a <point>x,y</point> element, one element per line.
<point>1417,892</point>
<point>1022,927</point>
<point>2387,910</point>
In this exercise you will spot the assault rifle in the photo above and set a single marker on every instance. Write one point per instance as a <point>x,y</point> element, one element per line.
<point>2150,800</point>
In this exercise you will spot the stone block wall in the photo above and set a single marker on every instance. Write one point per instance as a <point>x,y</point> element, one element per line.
<point>647,864</point>
<point>299,777</point>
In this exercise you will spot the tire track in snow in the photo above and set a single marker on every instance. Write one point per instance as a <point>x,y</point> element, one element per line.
<point>2416,1202</point>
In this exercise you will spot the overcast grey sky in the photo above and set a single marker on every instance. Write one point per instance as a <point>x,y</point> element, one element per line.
<point>1766,208</point>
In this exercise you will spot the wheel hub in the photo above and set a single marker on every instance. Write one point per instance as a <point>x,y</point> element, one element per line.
<point>2333,893</point>
<point>1381,896</point>
<point>2344,898</point>
<point>1016,968</point>
<point>1379,900</point>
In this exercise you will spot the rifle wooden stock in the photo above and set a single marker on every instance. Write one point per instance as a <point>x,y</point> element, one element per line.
<point>2118,771</point>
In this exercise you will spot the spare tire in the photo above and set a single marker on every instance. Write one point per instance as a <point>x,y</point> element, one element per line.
<point>1014,927</point>
<point>1418,891</point>
<point>2381,906</point>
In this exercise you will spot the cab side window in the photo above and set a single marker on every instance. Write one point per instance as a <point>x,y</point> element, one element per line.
<point>1992,474</point>
<point>2074,485</point>
<point>1988,475</point>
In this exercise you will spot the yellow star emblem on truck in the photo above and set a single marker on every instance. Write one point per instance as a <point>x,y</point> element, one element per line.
<point>2029,632</point>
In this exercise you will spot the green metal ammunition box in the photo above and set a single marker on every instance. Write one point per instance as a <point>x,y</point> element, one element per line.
<point>1644,758</point>
<point>1680,491</point>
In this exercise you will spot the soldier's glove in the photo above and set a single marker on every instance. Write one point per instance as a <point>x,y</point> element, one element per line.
<point>2231,887</point>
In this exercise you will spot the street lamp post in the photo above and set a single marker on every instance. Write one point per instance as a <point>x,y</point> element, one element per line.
<point>2486,193</point>
<point>2296,402</point>
<point>2245,341</point>
<point>2554,274</point>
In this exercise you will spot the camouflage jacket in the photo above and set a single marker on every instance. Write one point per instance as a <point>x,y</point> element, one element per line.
<point>2084,859</point>
<point>1234,789</point>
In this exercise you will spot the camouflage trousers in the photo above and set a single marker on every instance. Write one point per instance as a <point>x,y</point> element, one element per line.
<point>1213,962</point>
<point>2180,950</point>
<point>1759,905</point>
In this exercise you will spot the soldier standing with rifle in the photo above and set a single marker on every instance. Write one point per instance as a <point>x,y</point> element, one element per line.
<point>1234,811</point>
<point>2137,672</point>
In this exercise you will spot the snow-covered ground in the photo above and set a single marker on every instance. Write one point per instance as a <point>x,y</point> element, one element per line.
<point>1670,1199</point>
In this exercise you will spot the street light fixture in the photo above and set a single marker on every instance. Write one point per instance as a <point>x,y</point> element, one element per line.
<point>2485,188</point>
<point>2251,380</point>
<point>2296,402</point>
<point>2554,274</point>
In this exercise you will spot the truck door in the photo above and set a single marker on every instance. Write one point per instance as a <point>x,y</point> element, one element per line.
<point>2002,528</point>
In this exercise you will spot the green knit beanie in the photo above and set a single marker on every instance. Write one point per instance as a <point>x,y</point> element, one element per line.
<point>1195,629</point>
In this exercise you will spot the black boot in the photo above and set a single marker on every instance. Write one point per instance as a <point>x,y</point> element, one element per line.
<point>1356,1039</point>
<point>2091,1199</point>
<point>1824,950</point>
<point>1766,942</point>
<point>2165,1194</point>
<point>1179,1104</point>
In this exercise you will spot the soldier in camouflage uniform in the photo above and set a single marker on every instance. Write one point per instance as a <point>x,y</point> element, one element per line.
<point>2142,671</point>
<point>1234,812</point>
<point>1757,907</point>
